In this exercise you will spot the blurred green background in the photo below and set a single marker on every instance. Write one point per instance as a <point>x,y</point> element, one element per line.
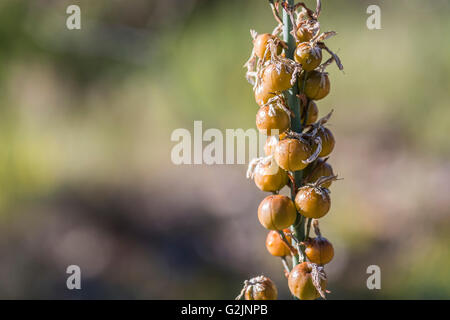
<point>85,170</point>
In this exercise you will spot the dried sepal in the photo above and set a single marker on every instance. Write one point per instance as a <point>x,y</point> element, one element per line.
<point>278,101</point>
<point>316,153</point>
<point>276,14</point>
<point>251,73</point>
<point>317,276</point>
<point>244,288</point>
<point>295,135</point>
<point>311,14</point>
<point>322,180</point>
<point>287,242</point>
<point>334,56</point>
<point>325,119</point>
<point>277,31</point>
<point>258,288</point>
<point>323,36</point>
<point>256,163</point>
<point>318,8</point>
<point>295,73</point>
<point>290,11</point>
<point>251,63</point>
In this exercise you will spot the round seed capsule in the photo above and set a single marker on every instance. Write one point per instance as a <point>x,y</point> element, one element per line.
<point>301,284</point>
<point>261,288</point>
<point>276,212</point>
<point>290,153</point>
<point>313,202</point>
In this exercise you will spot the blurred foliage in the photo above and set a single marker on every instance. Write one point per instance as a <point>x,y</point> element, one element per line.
<point>85,124</point>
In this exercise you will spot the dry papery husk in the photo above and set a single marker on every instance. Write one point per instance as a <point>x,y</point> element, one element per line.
<point>314,127</point>
<point>257,282</point>
<point>276,13</point>
<point>307,139</point>
<point>279,62</point>
<point>307,20</point>
<point>251,63</point>
<point>304,21</point>
<point>318,274</point>
<point>270,144</point>
<point>306,13</point>
<point>317,185</point>
<point>254,64</point>
<point>313,26</point>
<point>278,101</point>
<point>262,164</point>
<point>311,135</point>
<point>313,130</point>
<point>315,167</point>
<point>334,57</point>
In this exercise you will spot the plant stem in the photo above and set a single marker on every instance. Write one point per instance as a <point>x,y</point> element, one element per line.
<point>291,93</point>
<point>308,228</point>
<point>298,229</point>
<point>285,264</point>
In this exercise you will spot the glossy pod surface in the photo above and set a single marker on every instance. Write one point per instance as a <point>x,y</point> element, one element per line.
<point>261,288</point>
<point>275,244</point>
<point>308,56</point>
<point>312,114</point>
<point>263,94</point>
<point>270,177</point>
<point>276,212</point>
<point>317,85</point>
<point>321,169</point>
<point>328,141</point>
<point>311,203</point>
<point>260,45</point>
<point>303,34</point>
<point>300,282</point>
<point>319,250</point>
<point>272,119</point>
<point>276,78</point>
<point>290,154</point>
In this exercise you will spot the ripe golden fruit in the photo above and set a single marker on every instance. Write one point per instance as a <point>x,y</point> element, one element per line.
<point>260,45</point>
<point>289,154</point>
<point>275,244</point>
<point>313,202</point>
<point>303,34</point>
<point>270,177</point>
<point>317,84</point>
<point>301,284</point>
<point>263,94</point>
<point>276,212</point>
<point>319,169</point>
<point>261,288</point>
<point>309,56</point>
<point>313,113</point>
<point>272,119</point>
<point>328,141</point>
<point>319,250</point>
<point>277,77</point>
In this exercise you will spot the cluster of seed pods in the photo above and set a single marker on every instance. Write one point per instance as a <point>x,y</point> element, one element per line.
<point>288,150</point>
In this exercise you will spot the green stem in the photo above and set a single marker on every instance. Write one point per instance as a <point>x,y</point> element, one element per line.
<point>298,229</point>
<point>291,93</point>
